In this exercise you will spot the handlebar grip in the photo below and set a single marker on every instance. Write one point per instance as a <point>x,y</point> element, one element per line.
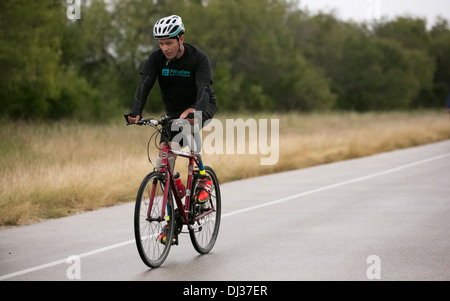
<point>129,115</point>
<point>143,121</point>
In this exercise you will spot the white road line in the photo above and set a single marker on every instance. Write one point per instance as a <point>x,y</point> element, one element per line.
<point>299,195</point>
<point>47,265</point>
<point>295,196</point>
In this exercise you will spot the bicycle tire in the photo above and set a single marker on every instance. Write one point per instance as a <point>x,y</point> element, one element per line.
<point>204,232</point>
<point>147,232</point>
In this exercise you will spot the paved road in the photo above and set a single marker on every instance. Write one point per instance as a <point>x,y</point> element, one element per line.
<point>386,216</point>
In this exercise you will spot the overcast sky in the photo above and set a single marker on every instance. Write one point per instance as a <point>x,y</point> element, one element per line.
<point>364,10</point>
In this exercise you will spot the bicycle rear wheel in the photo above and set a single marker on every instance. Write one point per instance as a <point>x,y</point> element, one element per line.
<point>204,231</point>
<point>149,222</point>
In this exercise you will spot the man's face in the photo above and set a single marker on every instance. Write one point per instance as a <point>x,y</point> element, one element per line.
<point>170,47</point>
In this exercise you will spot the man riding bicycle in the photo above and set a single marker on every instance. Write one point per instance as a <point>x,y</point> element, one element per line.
<point>185,77</point>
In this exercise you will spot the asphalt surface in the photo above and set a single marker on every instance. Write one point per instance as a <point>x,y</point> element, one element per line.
<point>383,217</point>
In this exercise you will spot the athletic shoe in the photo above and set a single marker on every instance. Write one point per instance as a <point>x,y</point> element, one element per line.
<point>163,236</point>
<point>203,190</point>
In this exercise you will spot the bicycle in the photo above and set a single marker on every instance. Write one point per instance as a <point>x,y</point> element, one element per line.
<point>159,204</point>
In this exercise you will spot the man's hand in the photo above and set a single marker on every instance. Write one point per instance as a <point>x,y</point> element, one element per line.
<point>185,113</point>
<point>132,119</point>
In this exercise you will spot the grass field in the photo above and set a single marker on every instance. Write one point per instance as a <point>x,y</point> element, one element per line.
<point>51,170</point>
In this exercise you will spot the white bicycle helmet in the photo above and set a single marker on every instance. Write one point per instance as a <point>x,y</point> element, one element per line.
<point>168,27</point>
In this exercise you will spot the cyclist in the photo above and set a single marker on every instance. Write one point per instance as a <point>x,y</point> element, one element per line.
<point>185,78</point>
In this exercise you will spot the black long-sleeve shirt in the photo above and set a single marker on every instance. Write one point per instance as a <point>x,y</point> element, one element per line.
<point>184,83</point>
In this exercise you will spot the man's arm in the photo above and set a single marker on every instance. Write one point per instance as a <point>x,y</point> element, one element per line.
<point>148,78</point>
<point>140,97</point>
<point>203,81</point>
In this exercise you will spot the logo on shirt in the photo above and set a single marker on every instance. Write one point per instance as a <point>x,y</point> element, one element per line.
<point>174,72</point>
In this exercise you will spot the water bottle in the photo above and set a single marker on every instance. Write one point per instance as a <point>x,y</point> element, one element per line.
<point>180,185</point>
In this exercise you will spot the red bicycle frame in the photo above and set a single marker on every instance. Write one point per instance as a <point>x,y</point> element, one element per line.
<point>166,169</point>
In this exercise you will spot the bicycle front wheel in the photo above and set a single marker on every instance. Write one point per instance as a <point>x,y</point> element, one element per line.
<point>205,228</point>
<point>153,225</point>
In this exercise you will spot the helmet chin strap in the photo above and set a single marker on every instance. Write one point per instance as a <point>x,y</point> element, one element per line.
<point>179,44</point>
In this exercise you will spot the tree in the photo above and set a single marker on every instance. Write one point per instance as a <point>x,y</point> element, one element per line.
<point>29,53</point>
<point>265,54</point>
<point>440,50</point>
<point>255,57</point>
<point>414,38</point>
<point>45,62</point>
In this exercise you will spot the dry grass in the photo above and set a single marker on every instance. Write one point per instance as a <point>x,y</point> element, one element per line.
<point>49,171</point>
<point>54,170</point>
<point>313,139</point>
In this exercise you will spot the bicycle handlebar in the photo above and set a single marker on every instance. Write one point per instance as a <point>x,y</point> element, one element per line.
<point>165,123</point>
<point>165,119</point>
<point>145,121</point>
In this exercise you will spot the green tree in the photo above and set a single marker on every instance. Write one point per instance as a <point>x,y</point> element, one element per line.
<point>413,36</point>
<point>440,51</point>
<point>368,69</point>
<point>257,65</point>
<point>29,53</point>
<point>45,58</point>
<point>411,33</point>
<point>265,54</point>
